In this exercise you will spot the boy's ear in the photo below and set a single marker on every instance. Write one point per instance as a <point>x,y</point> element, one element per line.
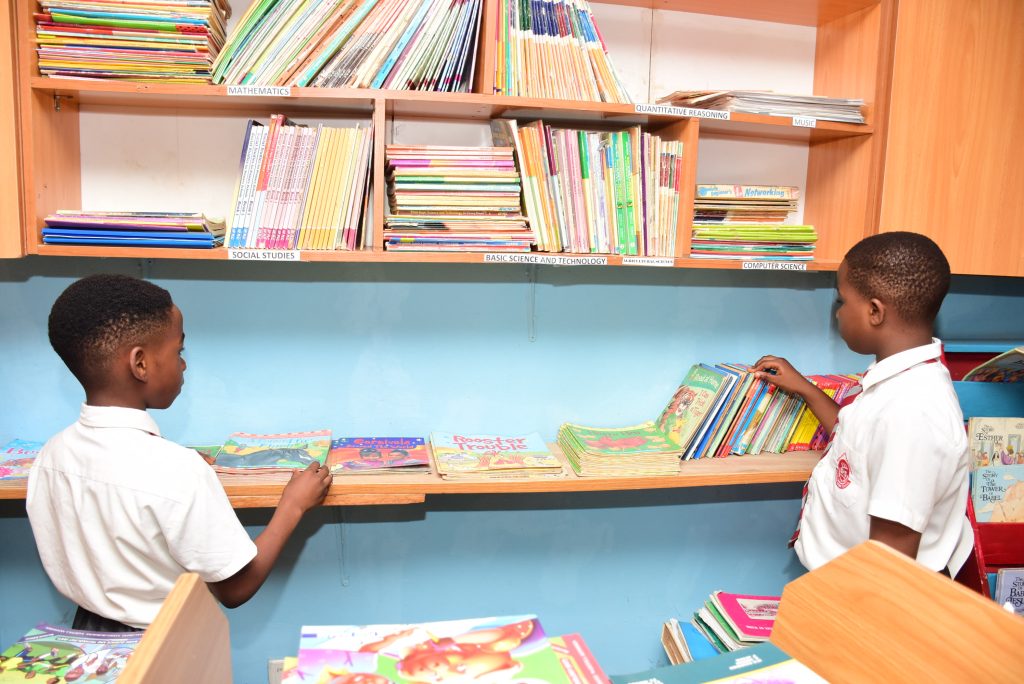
<point>137,363</point>
<point>876,311</point>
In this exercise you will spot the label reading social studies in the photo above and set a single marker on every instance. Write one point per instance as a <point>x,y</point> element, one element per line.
<point>264,255</point>
<point>774,266</point>
<point>662,262</point>
<point>805,121</point>
<point>667,110</point>
<point>260,91</point>
<point>545,259</point>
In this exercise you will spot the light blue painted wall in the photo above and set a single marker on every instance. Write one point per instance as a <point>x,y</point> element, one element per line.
<point>378,349</point>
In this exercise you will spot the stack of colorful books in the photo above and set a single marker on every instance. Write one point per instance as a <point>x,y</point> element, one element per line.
<point>271,457</point>
<point>396,44</point>
<point>454,199</point>
<point>748,222</point>
<point>133,229</point>
<point>640,450</point>
<point>493,457</point>
<point>163,41</point>
<point>726,622</point>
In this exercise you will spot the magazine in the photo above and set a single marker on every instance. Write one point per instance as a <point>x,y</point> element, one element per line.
<point>247,453</point>
<point>58,654</point>
<point>17,457</point>
<point>369,455</point>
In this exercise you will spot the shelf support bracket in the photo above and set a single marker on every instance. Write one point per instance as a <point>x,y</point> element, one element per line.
<point>56,102</point>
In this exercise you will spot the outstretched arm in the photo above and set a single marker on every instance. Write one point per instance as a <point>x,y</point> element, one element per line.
<point>779,372</point>
<point>899,537</point>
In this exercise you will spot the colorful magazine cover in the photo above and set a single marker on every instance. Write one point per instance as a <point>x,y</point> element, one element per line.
<point>493,650</point>
<point>378,455</point>
<point>472,455</point>
<point>17,457</point>
<point>58,654</point>
<point>244,452</point>
<point>690,404</point>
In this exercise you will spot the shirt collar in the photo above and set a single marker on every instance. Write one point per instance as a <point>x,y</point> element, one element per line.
<point>897,363</point>
<point>117,417</point>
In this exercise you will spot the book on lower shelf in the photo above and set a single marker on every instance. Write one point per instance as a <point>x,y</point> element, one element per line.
<point>52,654</point>
<point>1010,588</point>
<point>133,229</point>
<point>763,663</point>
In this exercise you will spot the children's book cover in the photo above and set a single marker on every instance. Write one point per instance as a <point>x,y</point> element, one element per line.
<point>1007,367</point>
<point>57,654</point>
<point>457,454</point>
<point>644,438</point>
<point>690,404</point>
<point>493,650</point>
<point>378,455</point>
<point>244,452</point>
<point>579,663</point>
<point>751,617</point>
<point>207,451</point>
<point>1010,588</point>
<point>17,457</point>
<point>761,663</point>
<point>997,493</point>
<point>995,441</point>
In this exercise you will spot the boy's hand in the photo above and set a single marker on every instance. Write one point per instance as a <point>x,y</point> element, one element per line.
<point>307,488</point>
<point>779,372</point>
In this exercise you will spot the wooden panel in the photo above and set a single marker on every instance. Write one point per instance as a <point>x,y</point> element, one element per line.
<point>380,139</point>
<point>487,49</point>
<point>801,12</point>
<point>688,131</point>
<point>188,641</point>
<point>11,243</point>
<point>955,143</point>
<point>875,615</point>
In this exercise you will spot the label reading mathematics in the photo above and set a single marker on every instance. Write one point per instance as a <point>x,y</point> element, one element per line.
<point>260,91</point>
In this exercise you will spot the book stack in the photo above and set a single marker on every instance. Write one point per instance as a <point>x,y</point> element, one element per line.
<point>271,457</point>
<point>59,654</point>
<point>640,450</point>
<point>378,455</point>
<point>553,50</point>
<point>300,187</point>
<point>133,229</point>
<point>493,457</point>
<point>748,222</point>
<point>161,41</point>
<point>733,621</point>
<point>454,199</point>
<point>606,192</point>
<point>997,464</point>
<point>396,44</point>
<point>845,110</point>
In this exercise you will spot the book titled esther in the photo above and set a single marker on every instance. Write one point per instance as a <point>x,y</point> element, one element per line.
<point>16,458</point>
<point>57,654</point>
<point>493,456</point>
<point>246,453</point>
<point>369,455</point>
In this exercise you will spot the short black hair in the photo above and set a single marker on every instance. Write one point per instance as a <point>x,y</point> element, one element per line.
<point>907,271</point>
<point>99,314</point>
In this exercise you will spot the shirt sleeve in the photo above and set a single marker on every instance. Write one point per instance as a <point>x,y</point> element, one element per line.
<point>207,537</point>
<point>907,462</point>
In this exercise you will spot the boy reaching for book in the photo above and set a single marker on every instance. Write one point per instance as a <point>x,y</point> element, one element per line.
<point>896,467</point>
<point>117,511</point>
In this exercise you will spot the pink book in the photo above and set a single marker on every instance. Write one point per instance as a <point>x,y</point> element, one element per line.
<point>751,617</point>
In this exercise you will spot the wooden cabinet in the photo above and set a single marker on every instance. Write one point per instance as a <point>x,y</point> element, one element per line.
<point>10,176</point>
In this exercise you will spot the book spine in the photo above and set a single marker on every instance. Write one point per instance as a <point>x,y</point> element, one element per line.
<point>785,192</point>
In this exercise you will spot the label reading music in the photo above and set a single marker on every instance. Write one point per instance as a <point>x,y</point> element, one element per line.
<point>805,122</point>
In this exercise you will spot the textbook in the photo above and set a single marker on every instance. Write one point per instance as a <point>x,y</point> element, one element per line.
<point>750,617</point>
<point>16,458</point>
<point>245,453</point>
<point>1010,588</point>
<point>1007,367</point>
<point>458,456</point>
<point>369,455</point>
<point>58,654</point>
<point>492,649</point>
<point>997,493</point>
<point>762,663</point>
<point>683,643</point>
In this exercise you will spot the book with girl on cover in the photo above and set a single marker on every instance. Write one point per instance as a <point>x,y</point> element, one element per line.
<point>369,455</point>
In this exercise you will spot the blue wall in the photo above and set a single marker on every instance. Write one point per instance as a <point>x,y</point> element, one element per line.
<point>405,349</point>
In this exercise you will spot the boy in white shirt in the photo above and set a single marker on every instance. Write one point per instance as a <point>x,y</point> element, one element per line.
<point>896,468</point>
<point>117,511</point>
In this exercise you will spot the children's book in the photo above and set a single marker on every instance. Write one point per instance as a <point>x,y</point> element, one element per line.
<point>579,663</point>
<point>207,451</point>
<point>247,453</point>
<point>494,649</point>
<point>757,664</point>
<point>995,441</point>
<point>16,458</point>
<point>58,654</point>
<point>630,451</point>
<point>369,455</point>
<point>751,617</point>
<point>458,456</point>
<point>1007,367</point>
<point>683,643</point>
<point>691,403</point>
<point>1010,588</point>
<point>997,493</point>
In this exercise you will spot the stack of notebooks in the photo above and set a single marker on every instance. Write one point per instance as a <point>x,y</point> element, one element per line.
<point>397,44</point>
<point>748,222</point>
<point>845,110</point>
<point>553,50</point>
<point>162,41</point>
<point>300,187</point>
<point>454,199</point>
<point>606,192</point>
<point>271,457</point>
<point>133,229</point>
<point>493,457</point>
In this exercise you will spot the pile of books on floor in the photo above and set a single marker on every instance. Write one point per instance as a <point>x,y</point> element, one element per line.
<point>454,199</point>
<point>301,187</point>
<point>396,44</point>
<point>133,229</point>
<point>845,110</point>
<point>554,50</point>
<point>164,41</point>
<point>60,654</point>
<point>604,192</point>
<point>748,222</point>
<point>726,622</point>
<point>493,457</point>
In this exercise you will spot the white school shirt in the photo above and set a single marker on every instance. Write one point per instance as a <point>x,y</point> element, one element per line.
<point>118,513</point>
<point>899,452</point>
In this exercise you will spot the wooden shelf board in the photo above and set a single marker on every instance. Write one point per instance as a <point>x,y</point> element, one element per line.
<point>800,12</point>
<point>356,490</point>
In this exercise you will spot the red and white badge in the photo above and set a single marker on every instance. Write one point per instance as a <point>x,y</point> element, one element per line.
<point>843,472</point>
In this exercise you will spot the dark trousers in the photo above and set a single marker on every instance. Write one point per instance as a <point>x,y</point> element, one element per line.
<point>88,620</point>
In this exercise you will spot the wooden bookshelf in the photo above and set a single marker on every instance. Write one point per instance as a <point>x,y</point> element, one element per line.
<point>360,490</point>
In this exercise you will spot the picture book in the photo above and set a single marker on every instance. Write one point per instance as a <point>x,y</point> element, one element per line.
<point>16,458</point>
<point>244,452</point>
<point>750,617</point>
<point>762,663</point>
<point>58,654</point>
<point>1007,367</point>
<point>997,493</point>
<point>995,441</point>
<point>495,456</point>
<point>368,455</point>
<point>1010,588</point>
<point>207,451</point>
<point>630,451</point>
<point>579,663</point>
<point>691,403</point>
<point>493,649</point>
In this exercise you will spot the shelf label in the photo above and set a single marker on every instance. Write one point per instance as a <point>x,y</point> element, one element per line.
<point>260,91</point>
<point>264,255</point>
<point>648,261</point>
<point>545,259</point>
<point>774,266</point>
<point>805,121</point>
<point>666,110</point>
